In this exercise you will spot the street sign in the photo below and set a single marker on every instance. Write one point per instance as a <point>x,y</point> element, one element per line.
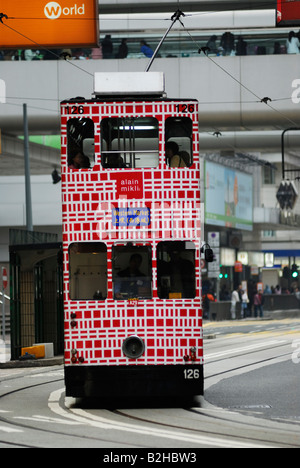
<point>238,267</point>
<point>214,242</point>
<point>4,278</point>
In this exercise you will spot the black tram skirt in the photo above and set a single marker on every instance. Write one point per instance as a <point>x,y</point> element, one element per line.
<point>134,381</point>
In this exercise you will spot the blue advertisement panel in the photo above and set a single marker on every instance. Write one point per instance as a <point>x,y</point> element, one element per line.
<point>228,197</point>
<point>124,217</point>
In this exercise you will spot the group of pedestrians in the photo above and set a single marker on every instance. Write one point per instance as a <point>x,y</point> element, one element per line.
<point>227,45</point>
<point>108,48</point>
<point>241,296</point>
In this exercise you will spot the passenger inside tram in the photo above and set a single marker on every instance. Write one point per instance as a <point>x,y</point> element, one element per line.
<point>81,143</point>
<point>132,272</point>
<point>113,160</point>
<point>176,158</point>
<point>78,160</point>
<point>179,138</point>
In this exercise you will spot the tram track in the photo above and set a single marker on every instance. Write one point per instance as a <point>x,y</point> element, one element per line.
<point>22,425</point>
<point>244,366</point>
<point>217,419</point>
<point>218,423</point>
<point>225,416</point>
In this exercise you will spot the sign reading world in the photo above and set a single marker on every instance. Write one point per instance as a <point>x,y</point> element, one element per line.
<point>43,23</point>
<point>288,12</point>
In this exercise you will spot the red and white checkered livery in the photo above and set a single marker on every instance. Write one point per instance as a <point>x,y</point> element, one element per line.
<point>94,199</point>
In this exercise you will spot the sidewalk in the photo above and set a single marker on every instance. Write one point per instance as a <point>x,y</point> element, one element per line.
<point>6,363</point>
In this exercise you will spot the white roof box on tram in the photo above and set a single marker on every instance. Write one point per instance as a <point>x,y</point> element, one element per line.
<point>129,84</point>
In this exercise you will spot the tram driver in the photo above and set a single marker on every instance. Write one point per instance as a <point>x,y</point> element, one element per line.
<point>131,282</point>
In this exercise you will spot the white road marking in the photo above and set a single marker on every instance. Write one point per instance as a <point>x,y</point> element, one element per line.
<point>83,417</point>
<point>9,429</point>
<point>241,350</point>
<point>39,418</point>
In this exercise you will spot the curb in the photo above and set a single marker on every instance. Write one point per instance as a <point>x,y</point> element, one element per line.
<point>56,361</point>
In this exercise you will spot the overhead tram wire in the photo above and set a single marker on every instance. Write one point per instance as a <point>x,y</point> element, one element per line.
<point>264,100</point>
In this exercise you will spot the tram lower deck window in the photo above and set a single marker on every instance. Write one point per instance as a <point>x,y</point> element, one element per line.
<point>129,142</point>
<point>176,276</point>
<point>132,271</point>
<point>88,271</point>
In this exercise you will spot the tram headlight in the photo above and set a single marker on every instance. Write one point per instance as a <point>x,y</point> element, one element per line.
<point>133,347</point>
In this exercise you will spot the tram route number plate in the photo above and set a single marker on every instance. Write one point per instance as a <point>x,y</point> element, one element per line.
<point>191,374</point>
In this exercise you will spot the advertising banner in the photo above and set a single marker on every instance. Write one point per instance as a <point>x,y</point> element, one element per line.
<point>42,23</point>
<point>288,13</point>
<point>228,197</point>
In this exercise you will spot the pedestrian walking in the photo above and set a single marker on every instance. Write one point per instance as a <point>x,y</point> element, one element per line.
<point>235,298</point>
<point>258,304</point>
<point>245,302</point>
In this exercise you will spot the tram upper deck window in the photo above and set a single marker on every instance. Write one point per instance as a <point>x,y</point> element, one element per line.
<point>129,142</point>
<point>179,141</point>
<point>80,141</point>
<point>176,278</point>
<point>88,271</point>
<point>132,271</point>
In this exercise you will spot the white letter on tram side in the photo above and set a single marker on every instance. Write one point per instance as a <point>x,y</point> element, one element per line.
<point>296,93</point>
<point>296,353</point>
<point>2,92</point>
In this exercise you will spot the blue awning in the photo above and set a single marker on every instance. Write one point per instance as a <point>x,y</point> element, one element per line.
<point>284,253</point>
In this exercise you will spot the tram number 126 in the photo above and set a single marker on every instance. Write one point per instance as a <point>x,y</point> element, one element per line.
<point>75,110</point>
<point>191,374</point>
<point>185,108</point>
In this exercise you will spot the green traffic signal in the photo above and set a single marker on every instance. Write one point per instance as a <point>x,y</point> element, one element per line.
<point>295,272</point>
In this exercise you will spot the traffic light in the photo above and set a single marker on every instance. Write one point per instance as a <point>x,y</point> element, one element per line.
<point>295,272</point>
<point>287,195</point>
<point>286,273</point>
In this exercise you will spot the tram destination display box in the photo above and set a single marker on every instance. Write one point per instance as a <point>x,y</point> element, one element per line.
<point>129,84</point>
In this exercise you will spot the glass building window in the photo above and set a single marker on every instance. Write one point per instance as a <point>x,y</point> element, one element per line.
<point>132,271</point>
<point>268,175</point>
<point>176,277</point>
<point>88,271</point>
<point>129,142</point>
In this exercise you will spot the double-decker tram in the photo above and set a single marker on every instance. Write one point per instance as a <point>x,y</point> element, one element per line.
<point>131,241</point>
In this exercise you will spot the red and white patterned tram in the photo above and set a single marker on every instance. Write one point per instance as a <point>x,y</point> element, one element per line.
<point>131,240</point>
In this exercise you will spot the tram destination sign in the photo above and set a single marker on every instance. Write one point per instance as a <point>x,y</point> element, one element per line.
<point>288,13</point>
<point>125,217</point>
<point>42,23</point>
